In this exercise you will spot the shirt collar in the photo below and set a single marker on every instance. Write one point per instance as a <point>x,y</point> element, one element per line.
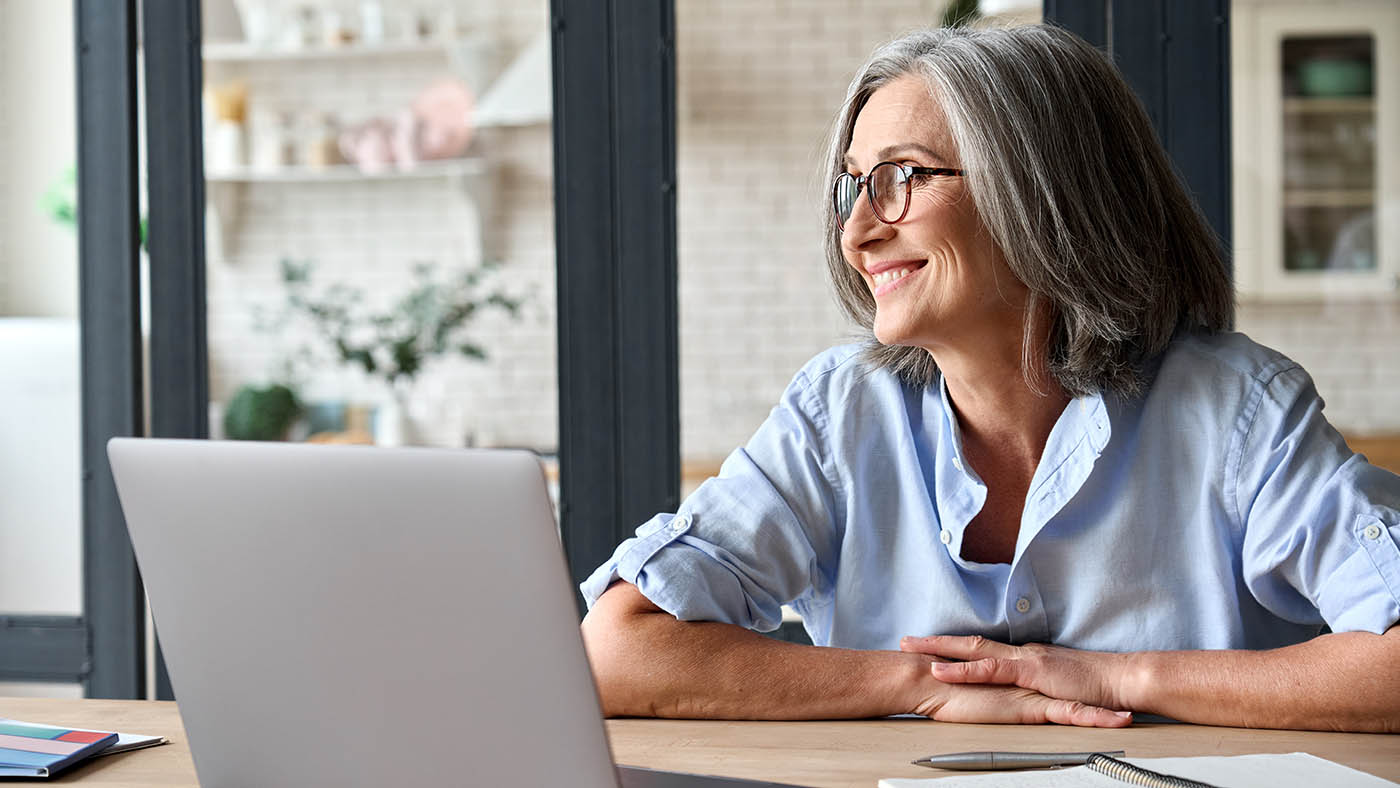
<point>1085,420</point>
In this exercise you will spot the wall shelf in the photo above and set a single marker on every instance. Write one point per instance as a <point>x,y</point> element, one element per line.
<point>1301,105</point>
<point>224,190</point>
<point>240,52</point>
<point>1329,198</point>
<point>446,168</point>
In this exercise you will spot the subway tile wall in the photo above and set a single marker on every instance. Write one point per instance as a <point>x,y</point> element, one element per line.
<point>758,84</point>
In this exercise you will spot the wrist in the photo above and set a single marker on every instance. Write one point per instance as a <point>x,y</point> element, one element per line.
<point>916,690</point>
<point>1137,676</point>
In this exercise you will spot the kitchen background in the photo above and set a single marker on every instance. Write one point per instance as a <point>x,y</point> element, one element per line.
<point>293,86</point>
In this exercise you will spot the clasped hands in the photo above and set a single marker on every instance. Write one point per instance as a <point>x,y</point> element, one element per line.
<point>1030,683</point>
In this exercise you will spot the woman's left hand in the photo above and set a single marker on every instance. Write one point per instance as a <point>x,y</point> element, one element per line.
<point>1095,678</point>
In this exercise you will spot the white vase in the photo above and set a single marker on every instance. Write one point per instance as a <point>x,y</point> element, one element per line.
<point>392,425</point>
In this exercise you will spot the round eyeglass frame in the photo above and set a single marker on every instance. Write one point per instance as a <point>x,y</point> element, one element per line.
<point>863,182</point>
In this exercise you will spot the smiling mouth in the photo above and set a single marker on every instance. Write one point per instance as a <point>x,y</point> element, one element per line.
<point>895,274</point>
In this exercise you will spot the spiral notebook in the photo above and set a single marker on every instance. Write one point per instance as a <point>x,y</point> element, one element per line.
<point>1291,770</point>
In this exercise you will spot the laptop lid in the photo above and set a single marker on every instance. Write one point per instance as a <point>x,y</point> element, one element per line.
<point>363,617</point>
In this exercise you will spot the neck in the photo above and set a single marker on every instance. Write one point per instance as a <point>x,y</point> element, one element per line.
<point>997,410</point>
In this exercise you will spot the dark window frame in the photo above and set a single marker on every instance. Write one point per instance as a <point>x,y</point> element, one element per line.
<point>177,360</point>
<point>108,252</point>
<point>615,238</point>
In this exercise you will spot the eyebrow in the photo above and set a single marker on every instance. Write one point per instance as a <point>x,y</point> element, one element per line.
<point>885,153</point>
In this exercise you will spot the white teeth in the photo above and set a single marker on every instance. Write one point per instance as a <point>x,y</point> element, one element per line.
<point>885,277</point>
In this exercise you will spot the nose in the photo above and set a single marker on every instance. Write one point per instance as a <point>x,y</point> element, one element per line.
<point>863,227</point>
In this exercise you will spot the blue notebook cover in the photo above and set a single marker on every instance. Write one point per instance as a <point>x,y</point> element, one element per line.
<point>42,751</point>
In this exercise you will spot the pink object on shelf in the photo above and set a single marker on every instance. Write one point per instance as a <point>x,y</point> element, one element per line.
<point>368,146</point>
<point>437,126</point>
<point>444,120</point>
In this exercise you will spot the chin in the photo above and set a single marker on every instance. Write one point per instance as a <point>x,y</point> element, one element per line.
<point>900,330</point>
<point>886,334</point>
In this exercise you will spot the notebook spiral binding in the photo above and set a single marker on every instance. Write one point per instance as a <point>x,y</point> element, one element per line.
<point>1136,775</point>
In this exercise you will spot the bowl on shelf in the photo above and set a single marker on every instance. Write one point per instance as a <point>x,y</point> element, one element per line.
<point>1330,76</point>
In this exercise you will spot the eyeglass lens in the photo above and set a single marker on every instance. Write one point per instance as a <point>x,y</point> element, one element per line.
<point>888,187</point>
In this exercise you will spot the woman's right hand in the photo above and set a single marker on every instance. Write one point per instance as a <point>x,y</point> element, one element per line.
<point>1001,704</point>
<point>648,664</point>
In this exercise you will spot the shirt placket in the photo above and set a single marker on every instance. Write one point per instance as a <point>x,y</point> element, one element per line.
<point>959,494</point>
<point>1089,429</point>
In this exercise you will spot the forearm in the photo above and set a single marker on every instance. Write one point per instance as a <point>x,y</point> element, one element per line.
<point>1343,681</point>
<point>648,664</point>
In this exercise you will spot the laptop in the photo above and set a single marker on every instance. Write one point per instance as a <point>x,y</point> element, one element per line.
<point>352,616</point>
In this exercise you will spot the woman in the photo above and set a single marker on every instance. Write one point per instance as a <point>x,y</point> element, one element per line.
<point>1048,439</point>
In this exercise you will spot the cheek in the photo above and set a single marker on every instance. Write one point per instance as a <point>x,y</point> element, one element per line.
<point>946,223</point>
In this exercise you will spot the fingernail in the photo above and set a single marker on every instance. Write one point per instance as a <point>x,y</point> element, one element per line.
<point>1123,713</point>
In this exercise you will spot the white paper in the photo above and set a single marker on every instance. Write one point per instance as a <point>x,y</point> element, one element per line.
<point>1291,770</point>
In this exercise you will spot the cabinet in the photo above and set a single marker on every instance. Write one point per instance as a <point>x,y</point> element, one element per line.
<point>1316,149</point>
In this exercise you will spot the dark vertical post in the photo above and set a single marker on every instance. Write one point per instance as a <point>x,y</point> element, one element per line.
<point>1087,18</point>
<point>1176,57</point>
<point>614,165</point>
<point>175,184</point>
<point>1196,124</point>
<point>108,241</point>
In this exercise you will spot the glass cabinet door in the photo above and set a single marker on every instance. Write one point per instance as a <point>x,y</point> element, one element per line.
<point>1315,149</point>
<point>1329,153</point>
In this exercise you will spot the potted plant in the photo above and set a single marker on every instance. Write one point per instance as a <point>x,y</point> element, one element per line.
<point>261,413</point>
<point>394,343</point>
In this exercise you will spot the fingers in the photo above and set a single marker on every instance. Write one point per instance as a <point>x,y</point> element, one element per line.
<point>1072,712</point>
<point>957,646</point>
<point>982,671</point>
<point>1016,705</point>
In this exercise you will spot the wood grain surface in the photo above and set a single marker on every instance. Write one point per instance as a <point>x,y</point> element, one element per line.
<point>826,754</point>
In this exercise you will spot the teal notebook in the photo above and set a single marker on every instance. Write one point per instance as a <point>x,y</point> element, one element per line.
<point>42,751</point>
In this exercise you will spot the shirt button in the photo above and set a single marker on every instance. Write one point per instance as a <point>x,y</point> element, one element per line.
<point>1372,532</point>
<point>679,524</point>
<point>944,536</point>
<point>1023,605</point>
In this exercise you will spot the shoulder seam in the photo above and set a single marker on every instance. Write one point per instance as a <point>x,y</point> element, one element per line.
<point>1262,380</point>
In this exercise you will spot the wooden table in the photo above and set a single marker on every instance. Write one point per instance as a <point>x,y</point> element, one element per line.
<point>844,754</point>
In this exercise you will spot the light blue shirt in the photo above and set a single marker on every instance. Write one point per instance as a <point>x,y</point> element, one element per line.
<point>1218,510</point>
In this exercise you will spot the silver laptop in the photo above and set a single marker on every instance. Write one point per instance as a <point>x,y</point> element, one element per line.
<point>351,616</point>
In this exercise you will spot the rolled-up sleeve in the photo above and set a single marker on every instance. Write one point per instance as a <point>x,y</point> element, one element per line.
<point>760,535</point>
<point>1320,523</point>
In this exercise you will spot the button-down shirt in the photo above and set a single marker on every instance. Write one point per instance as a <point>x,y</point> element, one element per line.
<point>1219,509</point>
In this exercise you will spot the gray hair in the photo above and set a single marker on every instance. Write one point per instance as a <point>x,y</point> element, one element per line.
<point>1070,181</point>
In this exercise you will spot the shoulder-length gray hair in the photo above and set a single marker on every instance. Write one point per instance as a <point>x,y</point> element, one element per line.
<point>1070,181</point>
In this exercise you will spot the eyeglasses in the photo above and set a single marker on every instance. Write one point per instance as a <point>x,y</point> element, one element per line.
<point>887,186</point>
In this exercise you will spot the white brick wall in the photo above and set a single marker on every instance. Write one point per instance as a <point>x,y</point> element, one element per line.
<point>758,82</point>
<point>1351,349</point>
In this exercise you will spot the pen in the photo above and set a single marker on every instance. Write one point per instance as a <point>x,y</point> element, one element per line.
<point>989,761</point>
